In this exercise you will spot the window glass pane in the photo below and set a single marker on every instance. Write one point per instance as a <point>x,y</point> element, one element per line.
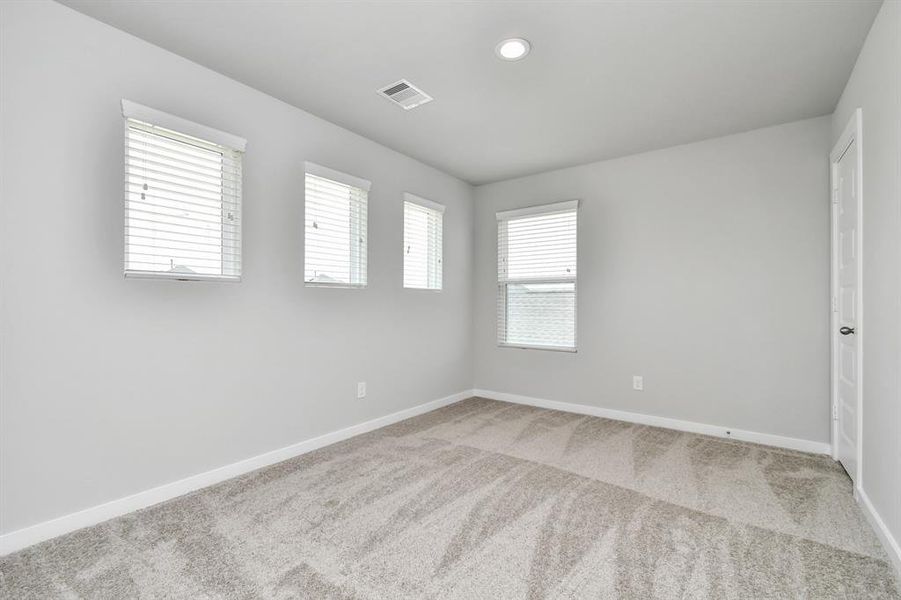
<point>541,314</point>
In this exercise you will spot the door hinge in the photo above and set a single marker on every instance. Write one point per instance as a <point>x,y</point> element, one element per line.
<point>835,412</point>
<point>834,304</point>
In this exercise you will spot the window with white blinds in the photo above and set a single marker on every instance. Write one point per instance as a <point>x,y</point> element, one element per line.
<point>536,277</point>
<point>335,243</point>
<point>423,243</point>
<point>182,198</point>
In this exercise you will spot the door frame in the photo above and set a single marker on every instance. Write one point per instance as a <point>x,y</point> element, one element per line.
<point>852,133</point>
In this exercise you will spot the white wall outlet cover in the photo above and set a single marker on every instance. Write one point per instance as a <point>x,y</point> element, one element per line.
<point>637,382</point>
<point>361,389</point>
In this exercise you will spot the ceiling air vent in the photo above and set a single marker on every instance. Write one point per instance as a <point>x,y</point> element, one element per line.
<point>405,94</point>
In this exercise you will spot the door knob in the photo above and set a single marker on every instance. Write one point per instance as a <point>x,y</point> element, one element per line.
<point>846,330</point>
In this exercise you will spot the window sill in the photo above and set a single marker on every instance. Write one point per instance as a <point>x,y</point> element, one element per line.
<point>528,347</point>
<point>346,286</point>
<point>181,276</point>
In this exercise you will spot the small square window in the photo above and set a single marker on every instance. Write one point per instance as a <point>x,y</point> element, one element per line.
<point>335,245</point>
<point>182,201</point>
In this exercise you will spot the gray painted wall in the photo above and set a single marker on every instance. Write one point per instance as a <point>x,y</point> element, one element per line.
<point>875,87</point>
<point>702,267</point>
<point>111,387</point>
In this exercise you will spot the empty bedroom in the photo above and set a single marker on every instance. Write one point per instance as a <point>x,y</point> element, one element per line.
<point>457,300</point>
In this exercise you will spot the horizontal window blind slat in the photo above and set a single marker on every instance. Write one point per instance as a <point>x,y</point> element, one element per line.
<point>172,142</point>
<point>335,202</point>
<point>193,263</point>
<point>333,252</point>
<point>166,208</point>
<point>202,160</point>
<point>563,237</point>
<point>185,179</point>
<point>538,228</point>
<point>181,254</point>
<point>135,186</point>
<point>160,200</point>
<point>147,225</point>
<point>217,242</point>
<point>329,221</point>
<point>192,220</point>
<point>189,187</point>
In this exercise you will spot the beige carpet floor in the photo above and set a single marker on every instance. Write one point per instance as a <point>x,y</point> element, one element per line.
<point>488,500</point>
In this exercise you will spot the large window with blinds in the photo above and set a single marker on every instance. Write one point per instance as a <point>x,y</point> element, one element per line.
<point>182,198</point>
<point>423,243</point>
<point>536,277</point>
<point>335,246</point>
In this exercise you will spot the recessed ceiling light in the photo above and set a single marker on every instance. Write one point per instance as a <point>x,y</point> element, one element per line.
<point>512,49</point>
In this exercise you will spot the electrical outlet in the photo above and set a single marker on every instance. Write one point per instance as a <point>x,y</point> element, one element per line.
<point>361,390</point>
<point>638,383</point>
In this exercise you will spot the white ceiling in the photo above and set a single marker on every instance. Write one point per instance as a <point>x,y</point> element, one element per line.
<point>604,79</point>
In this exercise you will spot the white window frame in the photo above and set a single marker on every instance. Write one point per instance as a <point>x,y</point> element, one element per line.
<point>151,118</point>
<point>354,258</point>
<point>440,209</point>
<point>503,281</point>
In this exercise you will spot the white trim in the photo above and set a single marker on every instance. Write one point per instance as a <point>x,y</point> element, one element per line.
<point>853,132</point>
<point>414,199</point>
<point>327,173</point>
<point>336,285</point>
<point>665,422</point>
<point>891,545</point>
<point>543,209</point>
<point>132,274</point>
<point>537,347</point>
<point>133,110</point>
<point>21,538</point>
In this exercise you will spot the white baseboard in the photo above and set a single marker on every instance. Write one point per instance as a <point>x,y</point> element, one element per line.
<point>892,548</point>
<point>16,540</point>
<point>690,426</point>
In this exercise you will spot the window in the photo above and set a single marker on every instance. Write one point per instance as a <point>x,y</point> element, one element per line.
<point>335,229</point>
<point>423,233</point>
<point>536,277</point>
<point>182,198</point>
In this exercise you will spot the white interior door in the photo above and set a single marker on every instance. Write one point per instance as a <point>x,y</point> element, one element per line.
<point>846,189</point>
